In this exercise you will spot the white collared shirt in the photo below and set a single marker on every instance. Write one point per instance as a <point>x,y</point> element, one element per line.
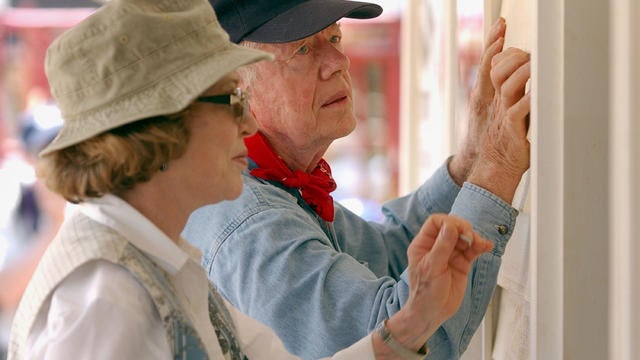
<point>105,300</point>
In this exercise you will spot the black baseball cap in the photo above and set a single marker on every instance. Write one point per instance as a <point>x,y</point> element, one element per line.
<point>279,21</point>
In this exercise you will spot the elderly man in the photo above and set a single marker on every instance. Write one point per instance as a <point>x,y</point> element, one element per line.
<point>289,256</point>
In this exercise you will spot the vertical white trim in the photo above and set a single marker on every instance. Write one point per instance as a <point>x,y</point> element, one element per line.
<point>411,46</point>
<point>451,70</point>
<point>547,206</point>
<point>412,54</point>
<point>570,180</point>
<point>586,190</point>
<point>624,178</point>
<point>491,14</point>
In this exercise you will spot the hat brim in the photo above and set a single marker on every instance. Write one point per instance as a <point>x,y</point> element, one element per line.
<point>310,17</point>
<point>167,95</point>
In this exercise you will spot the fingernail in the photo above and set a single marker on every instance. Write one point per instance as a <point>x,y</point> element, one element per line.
<point>467,238</point>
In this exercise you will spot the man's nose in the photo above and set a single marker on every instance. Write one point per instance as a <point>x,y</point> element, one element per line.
<point>333,60</point>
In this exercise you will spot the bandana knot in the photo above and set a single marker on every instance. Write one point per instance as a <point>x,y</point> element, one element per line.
<point>314,187</point>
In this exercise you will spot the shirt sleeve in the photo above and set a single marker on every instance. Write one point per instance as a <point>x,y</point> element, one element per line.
<point>259,342</point>
<point>98,312</point>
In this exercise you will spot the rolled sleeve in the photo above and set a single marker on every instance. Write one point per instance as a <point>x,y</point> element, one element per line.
<point>491,217</point>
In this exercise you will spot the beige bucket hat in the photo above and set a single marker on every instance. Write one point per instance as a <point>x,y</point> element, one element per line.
<point>133,59</point>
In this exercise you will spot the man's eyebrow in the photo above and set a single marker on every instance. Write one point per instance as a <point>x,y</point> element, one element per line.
<point>296,44</point>
<point>227,87</point>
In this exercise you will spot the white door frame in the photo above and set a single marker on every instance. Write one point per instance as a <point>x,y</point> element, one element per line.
<point>624,178</point>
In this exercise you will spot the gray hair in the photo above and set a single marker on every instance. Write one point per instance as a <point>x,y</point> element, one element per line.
<point>248,73</point>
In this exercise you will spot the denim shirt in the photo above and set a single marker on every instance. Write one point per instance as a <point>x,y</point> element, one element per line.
<point>322,286</point>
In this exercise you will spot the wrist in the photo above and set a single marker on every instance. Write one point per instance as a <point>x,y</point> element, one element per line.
<point>459,167</point>
<point>401,349</point>
<point>500,180</point>
<point>410,329</point>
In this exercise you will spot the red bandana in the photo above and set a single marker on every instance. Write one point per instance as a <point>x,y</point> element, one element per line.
<point>314,187</point>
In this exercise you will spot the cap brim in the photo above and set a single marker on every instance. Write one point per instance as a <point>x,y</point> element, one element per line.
<point>163,96</point>
<point>310,17</point>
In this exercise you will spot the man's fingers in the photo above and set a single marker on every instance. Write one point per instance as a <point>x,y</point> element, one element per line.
<point>492,46</point>
<point>506,53</point>
<point>518,115</point>
<point>484,73</point>
<point>506,64</point>
<point>514,86</point>
<point>497,31</point>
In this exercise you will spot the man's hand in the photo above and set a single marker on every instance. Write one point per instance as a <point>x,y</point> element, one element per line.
<point>503,155</point>
<point>480,104</point>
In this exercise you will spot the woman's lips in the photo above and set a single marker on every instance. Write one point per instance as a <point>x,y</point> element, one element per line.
<point>242,159</point>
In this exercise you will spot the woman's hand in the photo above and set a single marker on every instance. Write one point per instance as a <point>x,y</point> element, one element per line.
<point>439,261</point>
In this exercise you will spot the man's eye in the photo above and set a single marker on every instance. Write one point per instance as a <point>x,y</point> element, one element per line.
<point>303,50</point>
<point>335,39</point>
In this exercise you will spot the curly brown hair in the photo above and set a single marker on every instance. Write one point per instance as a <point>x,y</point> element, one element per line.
<point>116,160</point>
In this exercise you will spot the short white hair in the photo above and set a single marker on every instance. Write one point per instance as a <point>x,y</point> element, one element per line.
<point>248,73</point>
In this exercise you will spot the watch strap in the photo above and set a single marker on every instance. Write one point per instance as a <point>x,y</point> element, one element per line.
<point>398,348</point>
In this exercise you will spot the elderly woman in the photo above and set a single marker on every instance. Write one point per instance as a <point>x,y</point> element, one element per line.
<point>154,128</point>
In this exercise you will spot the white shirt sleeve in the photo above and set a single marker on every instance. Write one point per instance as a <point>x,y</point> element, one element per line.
<point>99,311</point>
<point>259,342</point>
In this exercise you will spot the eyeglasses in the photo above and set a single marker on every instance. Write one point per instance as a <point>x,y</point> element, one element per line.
<point>239,101</point>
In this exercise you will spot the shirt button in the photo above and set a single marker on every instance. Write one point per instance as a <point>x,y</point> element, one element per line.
<point>502,229</point>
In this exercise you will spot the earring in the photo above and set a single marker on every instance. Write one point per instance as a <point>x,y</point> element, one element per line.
<point>164,166</point>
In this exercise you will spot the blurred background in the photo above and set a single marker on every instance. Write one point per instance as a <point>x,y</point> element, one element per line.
<point>366,164</point>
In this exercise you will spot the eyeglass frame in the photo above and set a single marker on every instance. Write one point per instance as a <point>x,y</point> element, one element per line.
<point>237,97</point>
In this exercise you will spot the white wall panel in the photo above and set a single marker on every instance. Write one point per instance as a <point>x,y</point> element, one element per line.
<point>624,180</point>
